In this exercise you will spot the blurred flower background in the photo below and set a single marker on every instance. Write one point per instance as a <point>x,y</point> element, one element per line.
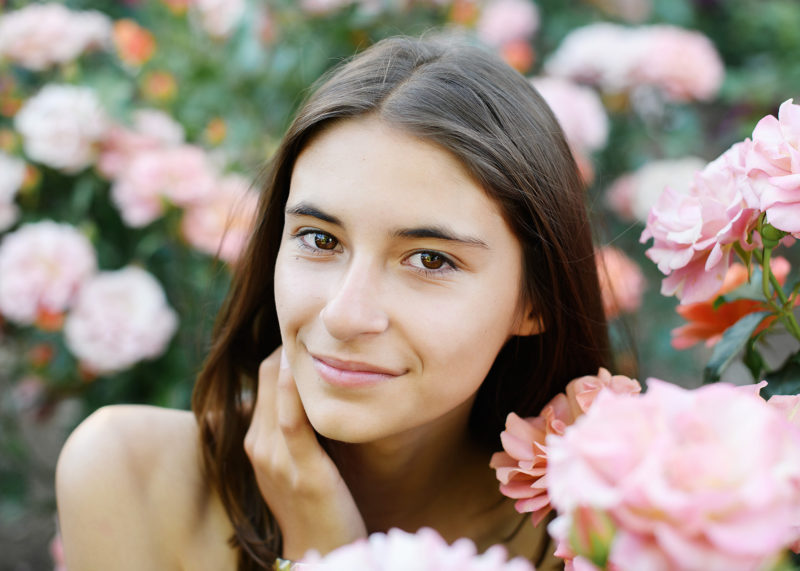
<point>132,135</point>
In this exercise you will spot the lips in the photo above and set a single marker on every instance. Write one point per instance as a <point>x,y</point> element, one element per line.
<point>343,373</point>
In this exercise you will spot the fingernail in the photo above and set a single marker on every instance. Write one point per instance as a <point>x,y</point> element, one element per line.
<point>284,360</point>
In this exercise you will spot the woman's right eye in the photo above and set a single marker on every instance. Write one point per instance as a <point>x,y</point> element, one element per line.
<point>316,240</point>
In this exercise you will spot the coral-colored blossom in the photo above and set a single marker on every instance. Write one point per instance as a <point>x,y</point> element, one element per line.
<point>692,479</point>
<point>135,44</point>
<point>424,550</point>
<point>522,467</point>
<point>708,323</point>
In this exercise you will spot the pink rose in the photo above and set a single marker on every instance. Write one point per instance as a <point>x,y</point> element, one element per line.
<point>41,35</point>
<point>773,164</point>
<point>702,479</point>
<point>578,109</point>
<point>181,175</point>
<point>152,130</point>
<point>218,18</point>
<point>504,21</point>
<point>119,319</point>
<point>683,64</point>
<point>221,224</point>
<point>694,234</point>
<point>621,281</point>
<point>42,266</point>
<point>522,467</point>
<point>424,550</point>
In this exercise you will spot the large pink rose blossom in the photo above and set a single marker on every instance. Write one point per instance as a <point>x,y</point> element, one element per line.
<point>578,109</point>
<point>682,64</point>
<point>773,164</point>
<point>694,234</point>
<point>62,126</point>
<point>12,175</point>
<point>621,281</point>
<point>42,266</point>
<point>42,35</point>
<point>522,467</point>
<point>421,551</point>
<point>181,175</point>
<point>504,21</point>
<point>702,479</point>
<point>221,224</point>
<point>632,195</point>
<point>119,319</point>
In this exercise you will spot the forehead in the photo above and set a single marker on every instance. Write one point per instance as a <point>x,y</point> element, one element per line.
<point>369,168</point>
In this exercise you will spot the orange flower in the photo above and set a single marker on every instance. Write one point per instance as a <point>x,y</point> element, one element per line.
<point>135,44</point>
<point>216,130</point>
<point>518,54</point>
<point>705,323</point>
<point>464,12</point>
<point>160,86</point>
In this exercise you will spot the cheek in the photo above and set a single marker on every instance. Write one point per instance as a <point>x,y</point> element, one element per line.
<point>296,296</point>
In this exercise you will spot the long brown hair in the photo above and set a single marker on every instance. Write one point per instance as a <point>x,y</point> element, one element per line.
<point>489,117</point>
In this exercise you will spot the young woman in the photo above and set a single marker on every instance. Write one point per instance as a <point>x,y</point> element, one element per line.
<point>422,266</point>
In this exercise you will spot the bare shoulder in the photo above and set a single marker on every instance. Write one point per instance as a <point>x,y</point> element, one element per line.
<point>130,481</point>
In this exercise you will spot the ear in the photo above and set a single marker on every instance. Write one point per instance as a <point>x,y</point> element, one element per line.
<point>530,323</point>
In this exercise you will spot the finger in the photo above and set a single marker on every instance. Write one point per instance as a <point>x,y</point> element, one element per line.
<point>301,440</point>
<point>264,419</point>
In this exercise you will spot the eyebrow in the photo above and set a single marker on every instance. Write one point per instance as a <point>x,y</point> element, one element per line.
<point>433,232</point>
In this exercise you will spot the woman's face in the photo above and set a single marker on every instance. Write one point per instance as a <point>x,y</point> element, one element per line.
<point>397,283</point>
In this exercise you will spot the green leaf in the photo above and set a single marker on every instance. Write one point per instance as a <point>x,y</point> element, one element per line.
<point>753,360</point>
<point>786,379</point>
<point>733,340</point>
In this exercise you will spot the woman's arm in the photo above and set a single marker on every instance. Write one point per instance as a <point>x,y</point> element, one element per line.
<point>117,505</point>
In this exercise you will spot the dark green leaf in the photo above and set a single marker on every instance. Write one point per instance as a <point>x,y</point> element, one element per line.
<point>733,340</point>
<point>786,379</point>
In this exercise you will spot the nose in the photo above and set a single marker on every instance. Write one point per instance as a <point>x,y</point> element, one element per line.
<point>353,306</point>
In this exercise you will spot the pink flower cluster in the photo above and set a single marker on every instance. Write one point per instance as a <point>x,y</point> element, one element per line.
<point>694,233</point>
<point>62,126</point>
<point>48,275</point>
<point>682,64</point>
<point>42,35</point>
<point>522,468</point>
<point>422,551</point>
<point>678,479</point>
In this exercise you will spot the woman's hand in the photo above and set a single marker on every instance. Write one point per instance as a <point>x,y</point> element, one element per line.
<point>302,486</point>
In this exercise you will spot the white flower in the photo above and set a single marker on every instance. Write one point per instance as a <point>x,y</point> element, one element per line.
<point>62,126</point>
<point>219,18</point>
<point>39,36</point>
<point>12,175</point>
<point>119,319</point>
<point>42,265</point>
<point>503,21</point>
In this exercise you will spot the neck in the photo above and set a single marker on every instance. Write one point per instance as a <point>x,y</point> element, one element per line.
<point>430,476</point>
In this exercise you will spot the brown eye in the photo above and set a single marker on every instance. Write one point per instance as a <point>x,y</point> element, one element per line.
<point>431,261</point>
<point>324,241</point>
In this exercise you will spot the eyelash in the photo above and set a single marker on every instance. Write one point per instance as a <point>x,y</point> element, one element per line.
<point>448,264</point>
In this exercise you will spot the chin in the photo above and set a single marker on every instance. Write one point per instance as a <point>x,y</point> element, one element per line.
<point>343,427</point>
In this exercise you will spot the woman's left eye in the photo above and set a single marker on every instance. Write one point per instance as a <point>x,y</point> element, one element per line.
<point>430,262</point>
